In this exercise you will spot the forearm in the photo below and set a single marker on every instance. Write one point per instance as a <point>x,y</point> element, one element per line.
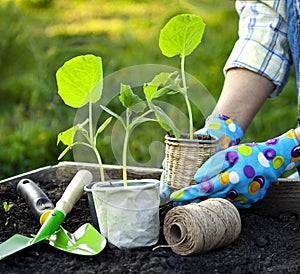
<point>243,94</point>
<point>263,45</point>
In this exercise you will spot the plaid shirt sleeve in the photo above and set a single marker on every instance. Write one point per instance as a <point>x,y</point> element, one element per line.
<point>262,46</point>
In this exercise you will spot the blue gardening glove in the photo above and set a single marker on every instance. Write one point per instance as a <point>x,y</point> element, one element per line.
<point>164,191</point>
<point>225,129</point>
<point>243,174</point>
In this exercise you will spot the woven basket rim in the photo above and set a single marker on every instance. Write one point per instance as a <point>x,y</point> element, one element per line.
<point>187,140</point>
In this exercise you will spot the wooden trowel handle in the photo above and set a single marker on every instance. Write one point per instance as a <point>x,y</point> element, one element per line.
<point>74,191</point>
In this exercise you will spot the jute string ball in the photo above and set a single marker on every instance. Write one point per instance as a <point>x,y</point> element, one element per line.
<point>200,227</point>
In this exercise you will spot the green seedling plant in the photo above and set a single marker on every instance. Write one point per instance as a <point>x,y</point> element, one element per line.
<point>181,36</point>
<point>7,206</point>
<point>80,82</point>
<point>137,111</point>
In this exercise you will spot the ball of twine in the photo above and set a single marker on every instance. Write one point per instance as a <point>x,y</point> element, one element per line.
<point>197,228</point>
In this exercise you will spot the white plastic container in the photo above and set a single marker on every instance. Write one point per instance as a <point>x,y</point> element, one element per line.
<point>128,216</point>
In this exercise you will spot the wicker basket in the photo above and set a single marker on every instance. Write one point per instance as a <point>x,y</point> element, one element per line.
<point>184,157</point>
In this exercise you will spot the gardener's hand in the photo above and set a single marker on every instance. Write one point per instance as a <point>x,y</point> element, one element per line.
<point>225,129</point>
<point>243,173</point>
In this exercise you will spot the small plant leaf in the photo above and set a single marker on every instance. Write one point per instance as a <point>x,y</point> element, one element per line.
<point>118,117</point>
<point>165,122</point>
<point>181,35</point>
<point>103,126</point>
<point>67,136</point>
<point>130,100</point>
<point>7,206</point>
<point>152,90</point>
<point>175,86</point>
<point>79,80</point>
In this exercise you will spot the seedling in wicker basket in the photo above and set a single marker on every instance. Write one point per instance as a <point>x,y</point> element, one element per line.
<point>80,82</point>
<point>181,36</point>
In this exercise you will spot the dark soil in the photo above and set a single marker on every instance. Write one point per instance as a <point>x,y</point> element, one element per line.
<point>203,137</point>
<point>265,245</point>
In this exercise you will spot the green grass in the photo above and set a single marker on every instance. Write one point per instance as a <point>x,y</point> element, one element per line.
<point>38,36</point>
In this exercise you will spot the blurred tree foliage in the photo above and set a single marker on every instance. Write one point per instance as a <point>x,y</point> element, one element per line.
<point>38,36</point>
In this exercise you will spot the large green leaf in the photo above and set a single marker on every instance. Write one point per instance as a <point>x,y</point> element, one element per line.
<point>181,35</point>
<point>130,100</point>
<point>79,80</point>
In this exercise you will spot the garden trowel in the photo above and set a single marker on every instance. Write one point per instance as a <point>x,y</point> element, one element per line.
<point>86,240</point>
<point>52,223</point>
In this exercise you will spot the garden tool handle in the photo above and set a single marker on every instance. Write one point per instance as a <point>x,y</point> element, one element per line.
<point>36,199</point>
<point>74,191</point>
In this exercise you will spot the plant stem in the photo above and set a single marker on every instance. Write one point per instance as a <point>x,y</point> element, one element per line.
<point>91,120</point>
<point>128,126</point>
<point>93,144</point>
<point>102,177</point>
<point>125,157</point>
<point>187,101</point>
<point>93,147</point>
<point>125,147</point>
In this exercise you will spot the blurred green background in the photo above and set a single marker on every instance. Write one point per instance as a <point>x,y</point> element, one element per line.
<point>38,36</point>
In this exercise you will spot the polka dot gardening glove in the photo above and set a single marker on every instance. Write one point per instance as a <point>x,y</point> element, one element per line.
<point>243,174</point>
<point>225,129</point>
